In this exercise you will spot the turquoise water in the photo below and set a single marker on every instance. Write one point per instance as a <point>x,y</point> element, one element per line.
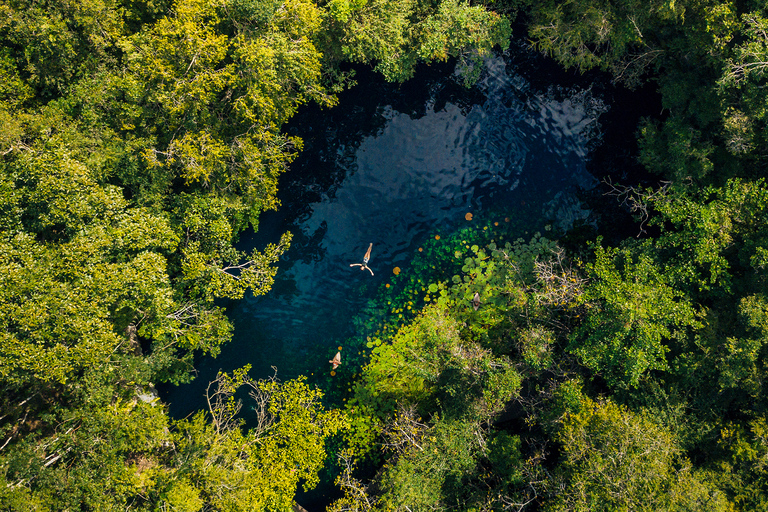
<point>393,167</point>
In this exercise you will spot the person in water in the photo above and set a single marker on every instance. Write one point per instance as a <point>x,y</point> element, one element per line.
<point>336,361</point>
<point>364,264</point>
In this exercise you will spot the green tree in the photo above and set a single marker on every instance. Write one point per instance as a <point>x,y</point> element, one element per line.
<point>427,371</point>
<point>398,35</point>
<point>621,36</point>
<point>614,459</point>
<point>744,48</point>
<point>259,468</point>
<point>635,314</point>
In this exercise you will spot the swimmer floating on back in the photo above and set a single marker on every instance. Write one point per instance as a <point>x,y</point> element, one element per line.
<point>364,264</point>
<point>336,361</point>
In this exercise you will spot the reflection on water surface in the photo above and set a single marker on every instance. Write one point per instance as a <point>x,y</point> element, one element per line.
<point>509,149</point>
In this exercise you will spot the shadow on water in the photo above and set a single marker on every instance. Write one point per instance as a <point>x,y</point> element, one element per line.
<point>393,165</point>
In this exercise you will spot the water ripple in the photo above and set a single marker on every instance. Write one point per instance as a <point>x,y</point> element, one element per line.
<point>411,178</point>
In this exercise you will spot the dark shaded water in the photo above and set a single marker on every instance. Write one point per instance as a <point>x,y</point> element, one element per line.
<point>394,166</point>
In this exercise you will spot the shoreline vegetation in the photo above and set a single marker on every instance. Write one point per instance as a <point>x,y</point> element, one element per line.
<point>140,138</point>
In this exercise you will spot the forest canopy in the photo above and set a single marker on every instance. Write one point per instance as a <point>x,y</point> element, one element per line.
<point>140,139</point>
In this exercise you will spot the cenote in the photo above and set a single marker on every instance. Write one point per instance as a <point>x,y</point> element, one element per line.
<point>403,167</point>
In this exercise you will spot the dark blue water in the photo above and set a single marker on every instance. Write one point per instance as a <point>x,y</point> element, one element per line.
<point>394,168</point>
